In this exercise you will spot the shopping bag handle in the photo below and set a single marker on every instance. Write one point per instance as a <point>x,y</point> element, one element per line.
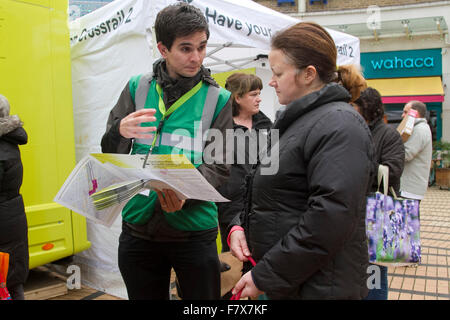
<point>383,175</point>
<point>391,188</point>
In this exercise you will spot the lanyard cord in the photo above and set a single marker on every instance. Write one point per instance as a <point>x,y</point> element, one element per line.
<point>237,296</point>
<point>165,113</point>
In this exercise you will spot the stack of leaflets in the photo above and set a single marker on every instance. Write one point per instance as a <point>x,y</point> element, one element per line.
<point>117,193</point>
<point>101,184</point>
<point>405,128</point>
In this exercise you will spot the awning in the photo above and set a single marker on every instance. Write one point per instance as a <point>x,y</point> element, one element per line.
<point>402,90</point>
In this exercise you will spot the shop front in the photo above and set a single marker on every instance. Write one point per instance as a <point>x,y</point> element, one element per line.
<point>402,76</point>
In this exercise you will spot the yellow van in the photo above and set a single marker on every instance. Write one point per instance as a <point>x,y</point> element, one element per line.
<point>35,76</point>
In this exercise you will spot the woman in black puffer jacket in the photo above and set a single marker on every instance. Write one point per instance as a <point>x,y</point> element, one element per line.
<point>248,124</point>
<point>305,222</point>
<point>13,222</point>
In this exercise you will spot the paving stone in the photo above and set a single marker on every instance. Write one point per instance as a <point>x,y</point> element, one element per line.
<point>431,279</point>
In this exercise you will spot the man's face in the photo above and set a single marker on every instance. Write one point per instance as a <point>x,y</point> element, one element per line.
<point>406,110</point>
<point>186,55</point>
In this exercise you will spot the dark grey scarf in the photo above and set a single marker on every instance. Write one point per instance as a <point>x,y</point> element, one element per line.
<point>174,88</point>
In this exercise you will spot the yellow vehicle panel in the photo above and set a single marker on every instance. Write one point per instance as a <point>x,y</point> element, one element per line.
<point>36,79</point>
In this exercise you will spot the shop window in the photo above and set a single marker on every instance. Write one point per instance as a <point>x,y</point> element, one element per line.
<point>280,2</point>
<point>432,122</point>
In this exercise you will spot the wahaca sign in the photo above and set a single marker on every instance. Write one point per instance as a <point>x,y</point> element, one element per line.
<point>395,64</point>
<point>399,63</point>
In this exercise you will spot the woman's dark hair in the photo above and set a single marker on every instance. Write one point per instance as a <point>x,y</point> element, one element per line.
<point>179,20</point>
<point>307,43</point>
<point>239,84</point>
<point>370,105</point>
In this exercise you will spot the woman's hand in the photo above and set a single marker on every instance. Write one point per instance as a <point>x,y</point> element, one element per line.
<point>238,245</point>
<point>249,288</point>
<point>169,200</point>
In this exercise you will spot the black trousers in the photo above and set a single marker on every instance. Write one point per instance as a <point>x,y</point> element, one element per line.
<point>145,267</point>
<point>17,292</point>
<point>224,236</point>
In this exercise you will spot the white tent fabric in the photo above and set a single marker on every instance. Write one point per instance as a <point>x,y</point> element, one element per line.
<point>115,42</point>
<point>247,24</point>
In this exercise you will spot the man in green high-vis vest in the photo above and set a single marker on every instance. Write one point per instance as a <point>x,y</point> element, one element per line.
<point>171,110</point>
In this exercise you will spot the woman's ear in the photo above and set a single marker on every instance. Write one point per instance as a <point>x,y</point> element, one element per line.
<point>309,74</point>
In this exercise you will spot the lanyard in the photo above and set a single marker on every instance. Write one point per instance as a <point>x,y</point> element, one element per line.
<point>165,113</point>
<point>237,296</point>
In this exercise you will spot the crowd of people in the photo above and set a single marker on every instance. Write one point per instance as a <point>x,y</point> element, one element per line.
<point>304,225</point>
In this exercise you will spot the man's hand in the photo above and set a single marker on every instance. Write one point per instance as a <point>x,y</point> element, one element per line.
<point>238,245</point>
<point>169,200</point>
<point>249,288</point>
<point>130,125</point>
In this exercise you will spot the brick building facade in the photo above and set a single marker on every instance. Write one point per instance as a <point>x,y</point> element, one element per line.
<point>400,32</point>
<point>334,5</point>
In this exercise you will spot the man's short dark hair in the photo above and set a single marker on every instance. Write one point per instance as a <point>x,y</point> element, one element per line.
<point>420,107</point>
<point>179,20</point>
<point>370,105</point>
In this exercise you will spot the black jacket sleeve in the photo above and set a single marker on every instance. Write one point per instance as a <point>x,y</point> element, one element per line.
<point>217,173</point>
<point>112,141</point>
<point>393,156</point>
<point>1,170</point>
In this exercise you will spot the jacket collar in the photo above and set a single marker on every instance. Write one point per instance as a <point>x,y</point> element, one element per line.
<point>259,121</point>
<point>9,124</point>
<point>419,120</point>
<point>375,124</point>
<point>331,92</point>
<point>175,88</point>
<point>165,81</point>
<point>17,136</point>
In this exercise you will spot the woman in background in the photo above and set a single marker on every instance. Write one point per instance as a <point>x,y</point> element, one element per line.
<point>13,221</point>
<point>248,120</point>
<point>389,151</point>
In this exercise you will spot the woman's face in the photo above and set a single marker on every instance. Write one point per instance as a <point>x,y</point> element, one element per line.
<point>285,79</point>
<point>249,102</point>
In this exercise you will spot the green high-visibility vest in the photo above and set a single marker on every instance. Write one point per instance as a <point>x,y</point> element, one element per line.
<point>184,132</point>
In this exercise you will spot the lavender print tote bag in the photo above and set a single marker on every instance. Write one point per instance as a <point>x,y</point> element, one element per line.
<point>392,227</point>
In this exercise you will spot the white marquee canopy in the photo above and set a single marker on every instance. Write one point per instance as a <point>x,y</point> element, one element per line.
<point>246,24</point>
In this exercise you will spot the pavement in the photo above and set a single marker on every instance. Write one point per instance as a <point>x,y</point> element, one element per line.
<point>430,280</point>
